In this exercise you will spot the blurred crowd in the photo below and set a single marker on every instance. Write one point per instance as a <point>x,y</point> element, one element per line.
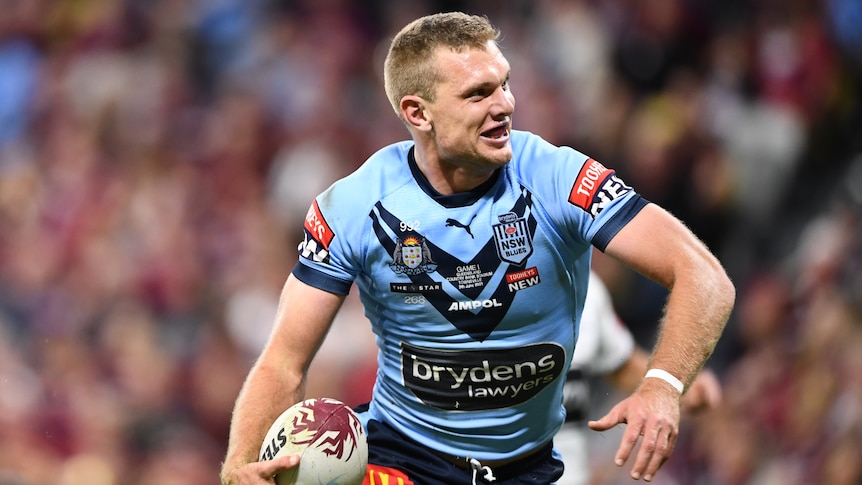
<point>157,158</point>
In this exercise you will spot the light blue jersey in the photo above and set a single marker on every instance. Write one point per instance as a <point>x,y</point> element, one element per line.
<point>475,298</point>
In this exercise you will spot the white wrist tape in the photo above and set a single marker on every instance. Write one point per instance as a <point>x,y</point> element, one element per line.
<point>667,377</point>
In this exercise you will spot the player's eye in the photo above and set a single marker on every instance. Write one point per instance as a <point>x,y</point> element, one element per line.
<point>479,93</point>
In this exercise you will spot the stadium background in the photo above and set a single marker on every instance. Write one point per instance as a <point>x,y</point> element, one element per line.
<point>157,158</point>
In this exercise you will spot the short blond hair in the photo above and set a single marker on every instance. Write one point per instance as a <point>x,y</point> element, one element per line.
<point>409,67</point>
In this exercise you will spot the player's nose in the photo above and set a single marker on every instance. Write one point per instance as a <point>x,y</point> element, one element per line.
<point>503,103</point>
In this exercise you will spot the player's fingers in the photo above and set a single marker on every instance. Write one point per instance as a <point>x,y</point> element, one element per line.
<point>629,440</point>
<point>260,472</point>
<point>608,421</point>
<point>272,467</point>
<point>656,448</point>
<point>649,443</point>
<point>605,423</point>
<point>662,450</point>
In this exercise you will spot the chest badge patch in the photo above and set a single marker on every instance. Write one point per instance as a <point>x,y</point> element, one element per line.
<point>512,239</point>
<point>412,257</point>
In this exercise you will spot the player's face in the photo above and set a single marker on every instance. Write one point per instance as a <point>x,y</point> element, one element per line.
<point>472,113</point>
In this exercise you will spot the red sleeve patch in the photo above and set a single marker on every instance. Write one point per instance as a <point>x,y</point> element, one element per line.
<point>588,183</point>
<point>317,227</point>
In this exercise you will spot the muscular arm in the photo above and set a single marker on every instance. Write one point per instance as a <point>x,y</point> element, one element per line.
<point>277,379</point>
<point>701,297</point>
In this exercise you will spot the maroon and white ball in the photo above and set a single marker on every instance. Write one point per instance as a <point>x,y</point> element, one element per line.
<point>329,438</point>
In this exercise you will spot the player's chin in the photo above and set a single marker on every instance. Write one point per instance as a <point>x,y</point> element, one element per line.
<point>499,157</point>
<point>496,152</point>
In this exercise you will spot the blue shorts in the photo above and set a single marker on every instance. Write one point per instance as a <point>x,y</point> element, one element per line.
<point>394,459</point>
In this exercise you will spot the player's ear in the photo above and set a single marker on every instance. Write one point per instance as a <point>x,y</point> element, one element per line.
<point>414,112</point>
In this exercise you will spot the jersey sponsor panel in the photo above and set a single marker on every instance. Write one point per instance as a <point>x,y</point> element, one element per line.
<point>414,288</point>
<point>474,304</point>
<point>316,225</point>
<point>480,379</point>
<point>312,249</point>
<point>595,187</point>
<point>519,280</point>
<point>318,236</point>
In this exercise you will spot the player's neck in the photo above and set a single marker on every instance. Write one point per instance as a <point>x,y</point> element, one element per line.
<point>451,177</point>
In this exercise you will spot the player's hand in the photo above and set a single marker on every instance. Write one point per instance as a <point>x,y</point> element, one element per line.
<point>703,394</point>
<point>259,472</point>
<point>651,415</point>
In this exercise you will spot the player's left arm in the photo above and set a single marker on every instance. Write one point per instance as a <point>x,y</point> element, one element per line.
<point>701,297</point>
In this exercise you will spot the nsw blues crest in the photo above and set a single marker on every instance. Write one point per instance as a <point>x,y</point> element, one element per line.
<point>512,239</point>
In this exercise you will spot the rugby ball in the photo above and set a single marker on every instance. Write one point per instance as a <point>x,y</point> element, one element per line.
<point>329,438</point>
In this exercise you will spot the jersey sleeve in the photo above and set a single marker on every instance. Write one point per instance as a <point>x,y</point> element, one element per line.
<point>607,202</point>
<point>338,228</point>
<point>323,256</point>
<point>587,200</point>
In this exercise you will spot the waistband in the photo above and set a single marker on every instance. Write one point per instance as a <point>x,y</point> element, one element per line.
<point>505,467</point>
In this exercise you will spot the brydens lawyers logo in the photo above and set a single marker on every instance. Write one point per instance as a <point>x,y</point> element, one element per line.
<point>318,236</point>
<point>471,380</point>
<point>595,187</point>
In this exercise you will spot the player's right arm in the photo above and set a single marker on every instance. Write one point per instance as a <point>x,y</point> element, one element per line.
<point>617,344</point>
<point>700,300</point>
<point>277,380</point>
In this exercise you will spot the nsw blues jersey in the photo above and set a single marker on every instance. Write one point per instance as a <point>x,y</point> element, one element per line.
<point>475,297</point>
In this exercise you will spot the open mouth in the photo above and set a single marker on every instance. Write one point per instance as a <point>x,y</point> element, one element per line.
<point>497,133</point>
